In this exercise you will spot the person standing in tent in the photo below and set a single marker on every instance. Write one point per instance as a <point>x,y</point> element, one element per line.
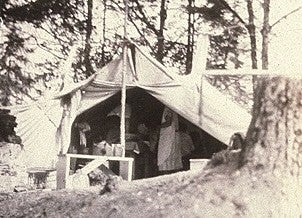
<point>83,128</point>
<point>117,112</point>
<point>113,129</point>
<point>143,161</point>
<point>169,151</point>
<point>186,144</point>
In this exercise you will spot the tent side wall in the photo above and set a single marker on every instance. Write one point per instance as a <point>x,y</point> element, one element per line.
<point>37,126</point>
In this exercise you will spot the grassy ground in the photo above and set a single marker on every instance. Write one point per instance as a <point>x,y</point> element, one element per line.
<point>218,192</point>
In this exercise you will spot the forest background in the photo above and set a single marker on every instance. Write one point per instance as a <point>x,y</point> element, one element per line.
<point>38,36</point>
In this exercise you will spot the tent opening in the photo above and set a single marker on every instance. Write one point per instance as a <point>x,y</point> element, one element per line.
<point>143,120</point>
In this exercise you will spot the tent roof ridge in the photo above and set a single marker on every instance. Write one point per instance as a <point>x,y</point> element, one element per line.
<point>162,67</point>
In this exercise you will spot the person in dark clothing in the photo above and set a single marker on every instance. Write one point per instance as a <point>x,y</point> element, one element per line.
<point>186,145</point>
<point>113,129</point>
<point>143,160</point>
<point>113,137</point>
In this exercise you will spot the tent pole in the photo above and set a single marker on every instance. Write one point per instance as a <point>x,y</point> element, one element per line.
<point>123,97</point>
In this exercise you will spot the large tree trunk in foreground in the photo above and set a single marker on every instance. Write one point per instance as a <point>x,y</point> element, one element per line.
<point>275,138</point>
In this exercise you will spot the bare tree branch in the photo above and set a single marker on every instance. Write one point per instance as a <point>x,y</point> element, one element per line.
<point>147,23</point>
<point>229,8</point>
<point>53,33</point>
<point>46,49</point>
<point>140,32</point>
<point>144,18</point>
<point>221,3</point>
<point>135,25</point>
<point>285,16</point>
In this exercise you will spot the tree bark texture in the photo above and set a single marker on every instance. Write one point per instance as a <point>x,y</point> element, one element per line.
<point>104,32</point>
<point>253,41</point>
<point>160,35</point>
<point>274,139</point>
<point>265,34</point>
<point>252,33</point>
<point>87,49</point>
<point>190,43</point>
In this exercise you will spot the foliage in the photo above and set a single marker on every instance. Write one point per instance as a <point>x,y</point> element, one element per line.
<point>53,26</point>
<point>10,69</point>
<point>225,50</point>
<point>22,24</point>
<point>239,88</point>
<point>97,60</point>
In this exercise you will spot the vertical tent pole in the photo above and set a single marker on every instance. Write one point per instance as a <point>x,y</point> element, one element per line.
<point>123,97</point>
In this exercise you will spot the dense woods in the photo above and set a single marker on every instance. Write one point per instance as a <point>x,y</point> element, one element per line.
<point>52,28</point>
<point>272,147</point>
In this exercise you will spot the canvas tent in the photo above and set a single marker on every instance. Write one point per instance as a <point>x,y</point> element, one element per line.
<point>45,126</point>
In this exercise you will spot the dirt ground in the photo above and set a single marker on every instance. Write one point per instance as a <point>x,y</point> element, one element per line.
<point>218,192</point>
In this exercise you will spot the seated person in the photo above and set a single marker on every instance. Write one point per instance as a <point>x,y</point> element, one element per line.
<point>102,148</point>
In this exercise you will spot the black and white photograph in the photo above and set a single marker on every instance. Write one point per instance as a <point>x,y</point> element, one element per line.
<point>150,108</point>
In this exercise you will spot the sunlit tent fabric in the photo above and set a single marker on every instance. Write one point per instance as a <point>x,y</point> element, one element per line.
<point>45,128</point>
<point>37,127</point>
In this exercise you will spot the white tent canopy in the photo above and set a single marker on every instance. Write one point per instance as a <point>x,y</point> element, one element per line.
<point>45,127</point>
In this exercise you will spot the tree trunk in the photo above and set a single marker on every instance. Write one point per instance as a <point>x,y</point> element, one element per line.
<point>104,32</point>
<point>190,42</point>
<point>252,33</point>
<point>253,41</point>
<point>258,85</point>
<point>265,33</point>
<point>274,140</point>
<point>87,49</point>
<point>160,35</point>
